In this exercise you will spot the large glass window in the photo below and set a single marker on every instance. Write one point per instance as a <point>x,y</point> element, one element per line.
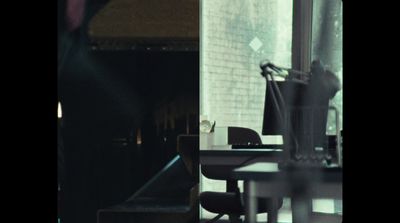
<point>235,36</point>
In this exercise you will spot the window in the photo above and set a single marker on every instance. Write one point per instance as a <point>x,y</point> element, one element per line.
<point>235,35</point>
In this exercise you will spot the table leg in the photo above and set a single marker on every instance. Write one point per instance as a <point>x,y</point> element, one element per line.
<point>250,202</point>
<point>301,209</point>
<point>273,213</point>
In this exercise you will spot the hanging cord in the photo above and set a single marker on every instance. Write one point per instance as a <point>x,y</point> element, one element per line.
<point>287,131</point>
<point>271,90</point>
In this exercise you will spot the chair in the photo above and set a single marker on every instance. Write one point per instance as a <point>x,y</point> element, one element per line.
<point>231,202</point>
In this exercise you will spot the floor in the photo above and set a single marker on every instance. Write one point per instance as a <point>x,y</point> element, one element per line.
<point>325,211</point>
<point>285,217</point>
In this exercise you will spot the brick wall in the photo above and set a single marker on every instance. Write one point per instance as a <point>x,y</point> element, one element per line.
<point>235,36</point>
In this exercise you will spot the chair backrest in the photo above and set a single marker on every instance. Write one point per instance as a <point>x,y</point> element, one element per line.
<point>236,136</point>
<point>243,136</point>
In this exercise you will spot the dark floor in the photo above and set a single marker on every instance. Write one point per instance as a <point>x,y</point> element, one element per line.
<point>286,218</point>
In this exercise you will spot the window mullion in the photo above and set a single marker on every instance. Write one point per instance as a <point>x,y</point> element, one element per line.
<point>302,34</point>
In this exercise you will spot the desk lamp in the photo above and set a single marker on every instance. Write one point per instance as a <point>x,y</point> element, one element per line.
<point>297,109</point>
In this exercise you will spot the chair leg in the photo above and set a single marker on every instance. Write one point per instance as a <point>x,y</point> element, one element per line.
<point>216,218</point>
<point>272,217</point>
<point>235,219</point>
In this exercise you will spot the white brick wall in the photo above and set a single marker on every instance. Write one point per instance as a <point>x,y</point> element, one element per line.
<point>232,89</point>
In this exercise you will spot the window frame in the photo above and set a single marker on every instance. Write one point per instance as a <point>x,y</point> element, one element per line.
<point>302,34</point>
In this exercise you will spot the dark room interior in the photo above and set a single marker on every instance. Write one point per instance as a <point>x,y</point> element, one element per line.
<point>122,111</point>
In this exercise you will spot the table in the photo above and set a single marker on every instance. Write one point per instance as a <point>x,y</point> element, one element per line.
<point>265,179</point>
<point>238,156</point>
